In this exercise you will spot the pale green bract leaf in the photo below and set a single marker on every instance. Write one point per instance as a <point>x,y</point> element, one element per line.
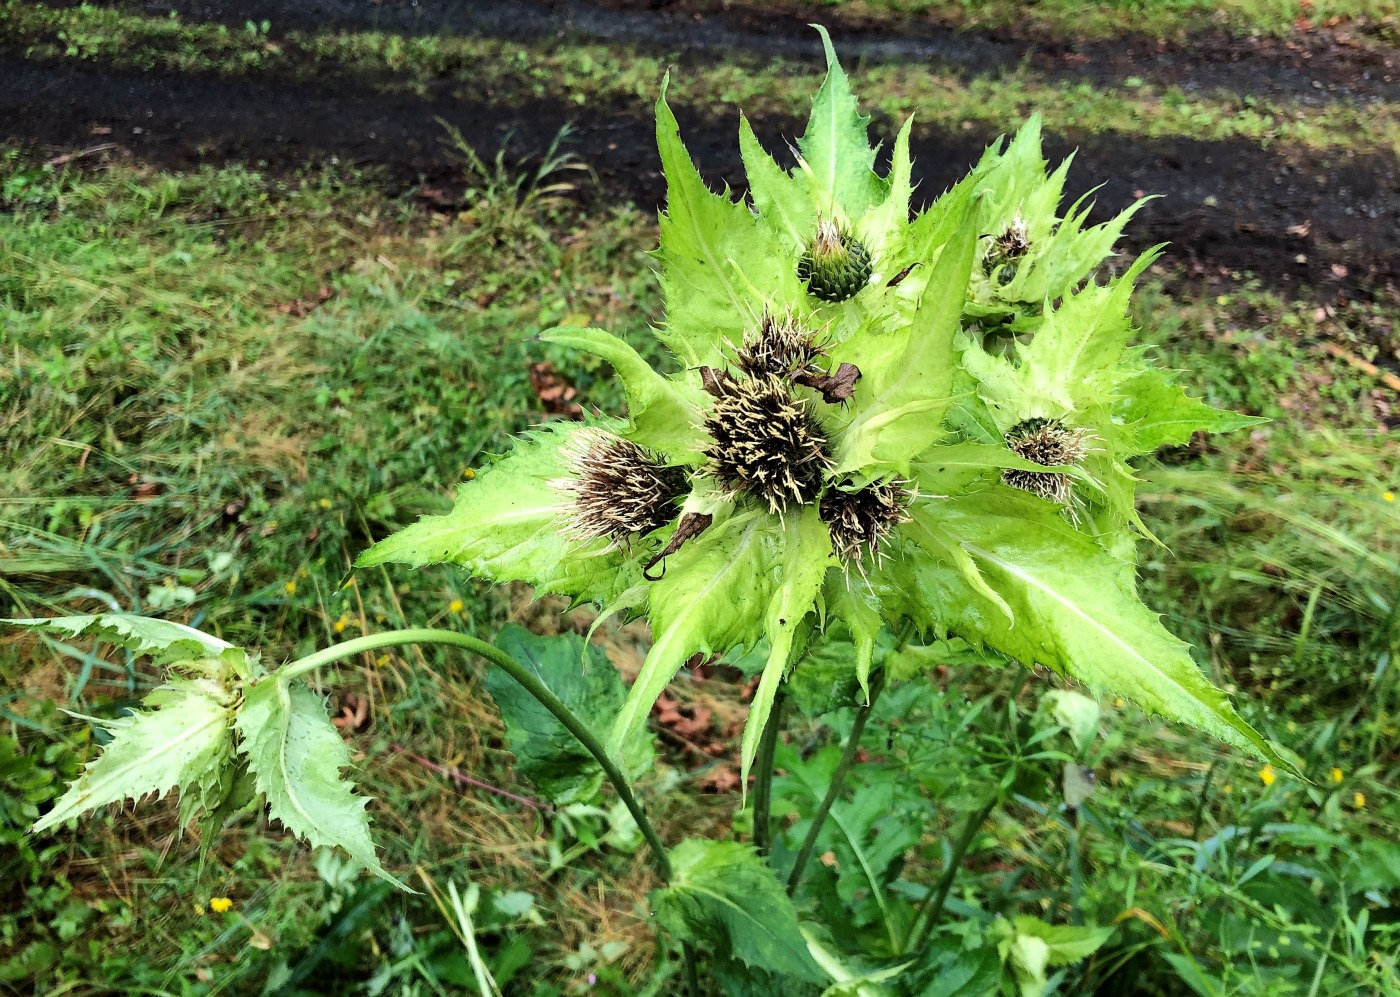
<point>908,374</point>
<point>836,151</point>
<point>783,202</point>
<point>1158,412</point>
<point>851,601</point>
<point>664,413</point>
<point>587,683</point>
<point>724,897</point>
<point>806,554</point>
<point>1076,348</point>
<point>509,525</point>
<point>295,755</point>
<point>711,599</point>
<point>172,747</point>
<point>163,640</point>
<point>715,254</point>
<point>1074,613</point>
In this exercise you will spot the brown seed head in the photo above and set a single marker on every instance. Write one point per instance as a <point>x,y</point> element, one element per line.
<point>1049,442</point>
<point>766,443</point>
<point>619,490</point>
<point>860,521</point>
<point>780,347</point>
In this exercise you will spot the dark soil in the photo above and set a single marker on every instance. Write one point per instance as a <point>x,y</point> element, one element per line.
<point>1304,223</point>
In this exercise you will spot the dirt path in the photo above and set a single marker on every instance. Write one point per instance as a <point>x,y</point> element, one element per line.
<point>1316,68</point>
<point>1295,221</point>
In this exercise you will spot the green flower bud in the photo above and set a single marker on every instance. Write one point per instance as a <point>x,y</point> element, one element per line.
<point>836,265</point>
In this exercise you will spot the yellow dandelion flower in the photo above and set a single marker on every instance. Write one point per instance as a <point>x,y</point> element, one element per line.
<point>1359,801</point>
<point>1267,775</point>
<point>1227,789</point>
<point>1336,775</point>
<point>324,503</point>
<point>290,588</point>
<point>468,473</point>
<point>381,661</point>
<point>455,606</point>
<point>1388,496</point>
<point>220,905</point>
<point>342,623</point>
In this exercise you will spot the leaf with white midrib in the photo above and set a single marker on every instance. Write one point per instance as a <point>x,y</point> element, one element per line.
<point>295,756</point>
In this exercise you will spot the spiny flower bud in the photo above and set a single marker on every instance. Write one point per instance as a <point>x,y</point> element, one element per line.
<point>836,265</point>
<point>861,520</point>
<point>766,443</point>
<point>1049,442</point>
<point>781,348</point>
<point>619,489</point>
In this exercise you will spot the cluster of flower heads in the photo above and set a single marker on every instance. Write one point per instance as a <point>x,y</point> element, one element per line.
<point>765,445</point>
<point>880,416</point>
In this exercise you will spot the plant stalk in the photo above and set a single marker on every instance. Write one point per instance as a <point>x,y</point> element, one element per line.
<point>528,682</point>
<point>931,907</point>
<point>838,779</point>
<point>763,784</point>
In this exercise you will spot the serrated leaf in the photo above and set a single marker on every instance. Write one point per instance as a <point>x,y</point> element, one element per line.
<point>711,600</point>
<point>781,200</point>
<point>715,254</point>
<point>1158,412</point>
<point>806,554</point>
<point>295,755</point>
<point>508,525</point>
<point>162,640</point>
<point>172,747</point>
<point>1074,613</point>
<point>663,413</point>
<point>587,683</point>
<point>1078,344</point>
<point>724,897</point>
<point>836,151</point>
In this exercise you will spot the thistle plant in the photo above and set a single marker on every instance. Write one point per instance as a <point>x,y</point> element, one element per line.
<point>925,422</point>
<point>856,446</point>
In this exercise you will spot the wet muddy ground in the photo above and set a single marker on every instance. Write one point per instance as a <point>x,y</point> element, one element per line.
<point>1305,223</point>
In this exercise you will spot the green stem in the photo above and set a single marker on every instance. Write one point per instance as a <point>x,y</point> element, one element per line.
<point>931,907</point>
<point>838,778</point>
<point>528,682</point>
<point>763,784</point>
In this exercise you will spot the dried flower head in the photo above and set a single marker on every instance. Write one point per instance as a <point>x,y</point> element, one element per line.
<point>1049,442</point>
<point>1008,248</point>
<point>619,489</point>
<point>862,519</point>
<point>766,443</point>
<point>836,265</point>
<point>780,347</point>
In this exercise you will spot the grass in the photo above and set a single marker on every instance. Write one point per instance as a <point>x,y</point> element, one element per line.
<point>1163,18</point>
<point>221,387</point>
<point>588,74</point>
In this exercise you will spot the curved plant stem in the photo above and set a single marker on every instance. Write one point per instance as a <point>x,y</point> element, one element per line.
<point>763,784</point>
<point>931,907</point>
<point>528,682</point>
<point>838,779</point>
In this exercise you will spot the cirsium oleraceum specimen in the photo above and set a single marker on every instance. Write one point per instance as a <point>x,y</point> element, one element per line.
<point>854,452</point>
